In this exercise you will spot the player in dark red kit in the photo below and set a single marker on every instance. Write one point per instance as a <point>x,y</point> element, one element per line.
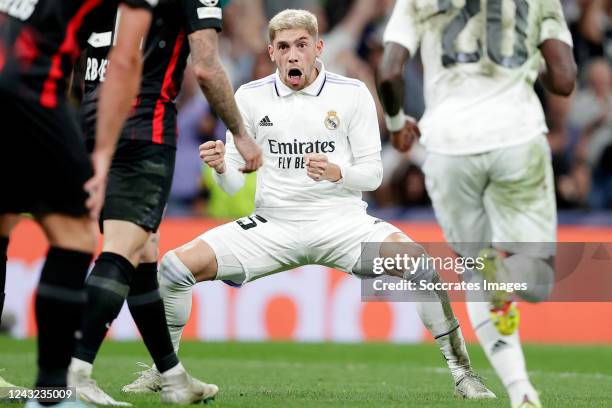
<point>45,168</point>
<point>140,179</point>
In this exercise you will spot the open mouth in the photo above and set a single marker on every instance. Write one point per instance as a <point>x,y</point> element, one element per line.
<point>295,75</point>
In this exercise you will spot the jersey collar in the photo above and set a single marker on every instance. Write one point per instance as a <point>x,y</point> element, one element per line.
<point>313,89</point>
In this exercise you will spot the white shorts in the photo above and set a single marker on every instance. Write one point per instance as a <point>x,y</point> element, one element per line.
<point>504,196</point>
<point>260,245</point>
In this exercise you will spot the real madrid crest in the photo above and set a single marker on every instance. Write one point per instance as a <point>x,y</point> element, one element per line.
<point>332,121</point>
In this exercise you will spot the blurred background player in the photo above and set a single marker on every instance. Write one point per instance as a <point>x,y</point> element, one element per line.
<point>46,170</point>
<point>488,169</point>
<point>308,205</point>
<point>139,183</point>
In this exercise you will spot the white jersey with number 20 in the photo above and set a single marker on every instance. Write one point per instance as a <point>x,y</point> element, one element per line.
<point>480,58</point>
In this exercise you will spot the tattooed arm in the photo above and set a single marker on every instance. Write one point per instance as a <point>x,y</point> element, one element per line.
<point>216,86</point>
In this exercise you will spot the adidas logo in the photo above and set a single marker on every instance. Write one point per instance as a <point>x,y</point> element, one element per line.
<point>498,346</point>
<point>266,121</point>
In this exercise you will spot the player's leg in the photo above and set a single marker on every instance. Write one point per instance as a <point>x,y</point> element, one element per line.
<point>107,288</point>
<point>520,202</point>
<point>180,269</point>
<point>175,287</point>
<point>11,188</point>
<point>145,303</point>
<point>49,166</point>
<point>144,300</point>
<point>265,245</point>
<point>137,191</point>
<point>351,241</point>
<point>434,308</point>
<point>456,185</point>
<point>521,207</point>
<point>108,284</point>
<point>61,296</point>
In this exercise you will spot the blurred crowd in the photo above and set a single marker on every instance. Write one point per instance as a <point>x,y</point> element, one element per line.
<point>580,126</point>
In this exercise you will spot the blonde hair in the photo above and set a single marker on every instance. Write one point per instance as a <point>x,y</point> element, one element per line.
<point>293,19</point>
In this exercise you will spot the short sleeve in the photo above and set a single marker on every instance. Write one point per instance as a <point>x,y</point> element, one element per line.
<point>202,14</point>
<point>363,131</point>
<point>146,4</point>
<point>553,25</point>
<point>404,26</point>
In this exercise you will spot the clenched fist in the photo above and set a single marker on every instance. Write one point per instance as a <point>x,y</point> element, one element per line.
<point>213,154</point>
<point>319,168</point>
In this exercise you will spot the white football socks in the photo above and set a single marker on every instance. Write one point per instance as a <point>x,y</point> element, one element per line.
<point>437,315</point>
<point>175,287</point>
<point>504,353</point>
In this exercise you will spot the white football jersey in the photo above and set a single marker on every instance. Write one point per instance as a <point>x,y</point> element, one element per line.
<point>334,115</point>
<point>480,58</point>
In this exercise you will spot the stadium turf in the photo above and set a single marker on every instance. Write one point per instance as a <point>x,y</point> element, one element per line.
<point>339,375</point>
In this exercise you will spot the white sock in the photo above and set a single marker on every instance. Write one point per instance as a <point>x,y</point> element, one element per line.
<point>81,367</point>
<point>437,315</point>
<point>177,369</point>
<point>175,287</point>
<point>504,353</point>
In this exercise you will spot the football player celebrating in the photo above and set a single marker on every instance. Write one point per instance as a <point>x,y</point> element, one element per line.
<point>321,145</point>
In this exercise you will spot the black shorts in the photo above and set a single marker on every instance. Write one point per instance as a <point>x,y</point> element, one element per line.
<point>139,183</point>
<point>43,159</point>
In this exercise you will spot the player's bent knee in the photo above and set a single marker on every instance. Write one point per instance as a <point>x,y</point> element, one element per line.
<point>398,243</point>
<point>399,246</point>
<point>397,237</point>
<point>126,239</point>
<point>199,258</point>
<point>173,273</point>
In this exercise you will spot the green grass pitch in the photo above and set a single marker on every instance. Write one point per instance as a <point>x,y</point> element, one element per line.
<point>339,375</point>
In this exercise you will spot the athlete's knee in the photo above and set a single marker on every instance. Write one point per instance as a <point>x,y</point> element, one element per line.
<point>410,259</point>
<point>399,243</point>
<point>126,239</point>
<point>173,273</point>
<point>199,258</point>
